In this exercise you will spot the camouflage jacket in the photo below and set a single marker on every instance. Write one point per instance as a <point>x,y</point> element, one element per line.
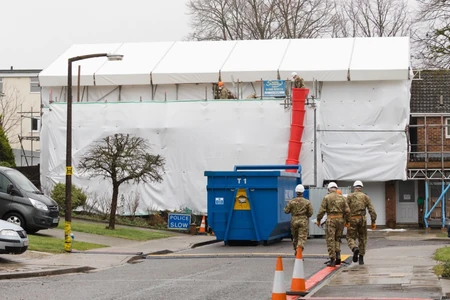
<point>224,93</point>
<point>358,203</point>
<point>333,203</point>
<point>299,206</point>
<point>299,82</point>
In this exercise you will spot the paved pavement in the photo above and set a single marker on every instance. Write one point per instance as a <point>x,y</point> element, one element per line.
<point>119,252</point>
<point>400,272</point>
<point>390,272</point>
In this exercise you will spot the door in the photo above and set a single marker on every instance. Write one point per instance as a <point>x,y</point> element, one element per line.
<point>406,202</point>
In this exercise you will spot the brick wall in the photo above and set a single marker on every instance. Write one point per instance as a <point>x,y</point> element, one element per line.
<point>391,212</point>
<point>434,135</point>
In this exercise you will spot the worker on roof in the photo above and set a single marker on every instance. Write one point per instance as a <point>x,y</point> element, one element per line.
<point>301,210</point>
<point>298,81</point>
<point>222,92</point>
<point>357,229</point>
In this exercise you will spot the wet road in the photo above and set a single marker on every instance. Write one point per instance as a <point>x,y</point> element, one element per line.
<point>215,278</point>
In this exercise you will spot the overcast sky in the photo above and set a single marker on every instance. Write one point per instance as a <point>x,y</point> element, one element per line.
<point>34,33</point>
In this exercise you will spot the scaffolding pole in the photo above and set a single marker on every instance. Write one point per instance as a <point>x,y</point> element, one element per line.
<point>32,138</point>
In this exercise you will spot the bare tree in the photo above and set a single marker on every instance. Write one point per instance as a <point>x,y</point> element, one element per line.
<point>10,104</point>
<point>304,18</point>
<point>122,158</point>
<point>259,19</point>
<point>432,40</point>
<point>372,18</point>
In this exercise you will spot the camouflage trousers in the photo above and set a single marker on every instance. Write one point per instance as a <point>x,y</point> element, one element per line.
<point>333,233</point>
<point>357,231</point>
<point>299,231</point>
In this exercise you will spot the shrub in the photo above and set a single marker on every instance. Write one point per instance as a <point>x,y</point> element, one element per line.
<point>156,220</point>
<point>446,270</point>
<point>59,195</point>
<point>7,158</point>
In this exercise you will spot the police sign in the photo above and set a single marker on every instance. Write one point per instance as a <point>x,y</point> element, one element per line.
<point>179,221</point>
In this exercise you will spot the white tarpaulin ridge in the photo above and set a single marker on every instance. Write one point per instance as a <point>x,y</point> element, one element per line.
<point>354,59</point>
<point>321,59</point>
<point>192,62</point>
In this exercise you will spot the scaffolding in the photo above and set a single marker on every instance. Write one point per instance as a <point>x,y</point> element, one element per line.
<point>32,137</point>
<point>430,162</point>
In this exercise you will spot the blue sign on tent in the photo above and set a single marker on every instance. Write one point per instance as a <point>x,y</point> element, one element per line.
<point>274,88</point>
<point>179,221</point>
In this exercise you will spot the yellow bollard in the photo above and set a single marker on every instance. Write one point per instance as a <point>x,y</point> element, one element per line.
<point>67,237</point>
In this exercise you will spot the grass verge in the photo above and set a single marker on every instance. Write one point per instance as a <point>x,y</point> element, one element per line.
<point>442,255</point>
<point>119,232</point>
<point>442,235</point>
<point>54,245</point>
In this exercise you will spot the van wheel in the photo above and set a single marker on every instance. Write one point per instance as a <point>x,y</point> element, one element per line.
<point>15,218</point>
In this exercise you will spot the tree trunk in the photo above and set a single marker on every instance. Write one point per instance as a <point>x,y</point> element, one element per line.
<point>112,215</point>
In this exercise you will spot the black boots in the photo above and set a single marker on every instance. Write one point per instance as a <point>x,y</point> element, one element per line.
<point>331,263</point>
<point>338,258</point>
<point>361,260</point>
<point>355,254</point>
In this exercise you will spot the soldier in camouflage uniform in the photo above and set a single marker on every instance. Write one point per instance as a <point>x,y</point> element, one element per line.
<point>301,210</point>
<point>337,210</point>
<point>222,92</point>
<point>298,81</point>
<point>357,229</point>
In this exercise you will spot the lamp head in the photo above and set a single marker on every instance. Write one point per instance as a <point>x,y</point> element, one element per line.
<point>114,57</point>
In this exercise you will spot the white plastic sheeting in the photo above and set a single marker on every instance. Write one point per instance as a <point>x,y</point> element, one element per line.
<point>138,58</point>
<point>56,73</point>
<point>355,59</point>
<point>321,59</point>
<point>372,59</point>
<point>192,62</point>
<point>363,130</point>
<point>192,136</point>
<point>360,138</point>
<point>254,60</point>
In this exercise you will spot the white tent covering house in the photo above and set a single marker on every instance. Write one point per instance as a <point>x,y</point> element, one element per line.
<point>163,91</point>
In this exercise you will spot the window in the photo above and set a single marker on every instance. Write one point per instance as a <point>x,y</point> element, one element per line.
<point>21,180</point>
<point>4,182</point>
<point>34,85</point>
<point>447,128</point>
<point>35,124</point>
<point>1,86</point>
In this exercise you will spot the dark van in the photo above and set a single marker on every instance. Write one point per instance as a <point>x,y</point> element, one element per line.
<point>22,203</point>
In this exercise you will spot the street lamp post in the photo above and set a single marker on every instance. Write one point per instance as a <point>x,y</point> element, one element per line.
<point>69,170</point>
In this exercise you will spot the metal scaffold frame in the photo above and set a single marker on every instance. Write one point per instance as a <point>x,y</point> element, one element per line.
<point>431,172</point>
<point>32,137</point>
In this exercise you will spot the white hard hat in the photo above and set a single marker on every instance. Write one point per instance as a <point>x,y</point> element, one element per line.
<point>358,183</point>
<point>299,188</point>
<point>332,185</point>
<point>294,74</point>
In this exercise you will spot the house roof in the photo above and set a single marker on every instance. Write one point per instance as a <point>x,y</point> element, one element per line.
<point>427,92</point>
<point>19,73</point>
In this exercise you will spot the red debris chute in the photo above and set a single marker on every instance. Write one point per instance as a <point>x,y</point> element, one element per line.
<point>298,117</point>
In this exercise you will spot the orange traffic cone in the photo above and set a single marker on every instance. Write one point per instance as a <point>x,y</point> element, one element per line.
<point>278,290</point>
<point>202,227</point>
<point>298,285</point>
